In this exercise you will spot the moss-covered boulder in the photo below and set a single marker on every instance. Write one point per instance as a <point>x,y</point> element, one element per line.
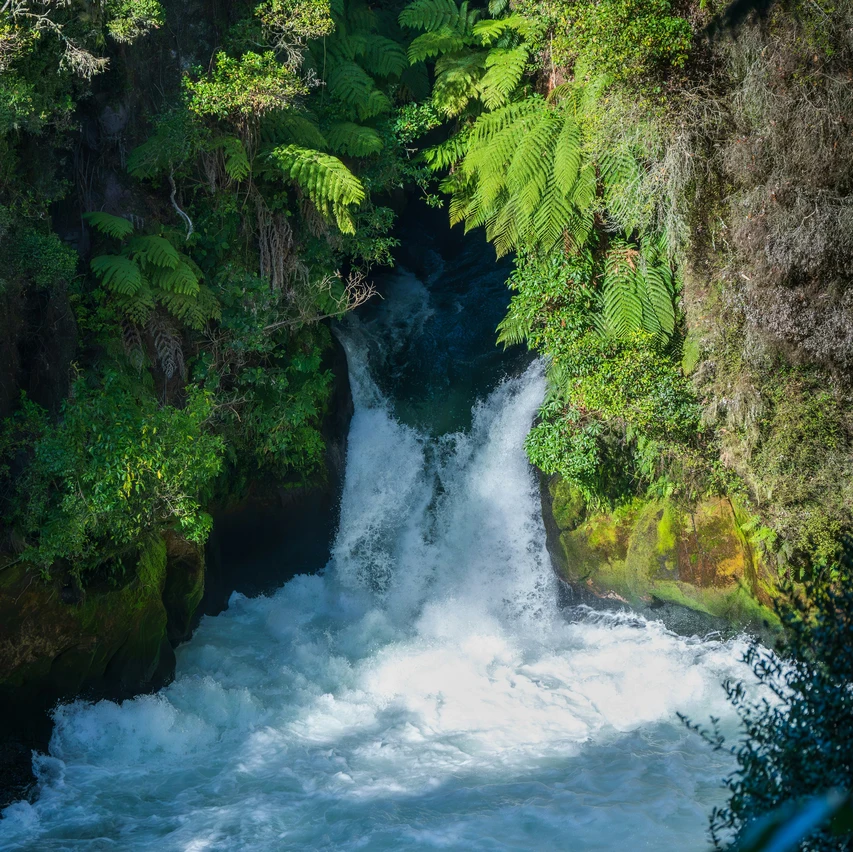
<point>653,551</point>
<point>55,642</point>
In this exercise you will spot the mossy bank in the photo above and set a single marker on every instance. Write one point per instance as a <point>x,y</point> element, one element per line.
<point>654,554</point>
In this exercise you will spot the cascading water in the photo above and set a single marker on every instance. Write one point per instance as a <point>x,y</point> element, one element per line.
<point>424,692</point>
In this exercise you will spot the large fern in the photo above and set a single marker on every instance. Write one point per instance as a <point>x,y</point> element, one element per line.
<point>113,226</point>
<point>356,140</point>
<point>149,270</point>
<point>524,178</point>
<point>638,288</point>
<point>330,185</point>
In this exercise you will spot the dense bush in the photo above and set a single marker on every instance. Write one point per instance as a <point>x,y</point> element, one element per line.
<point>115,467</point>
<point>796,721</point>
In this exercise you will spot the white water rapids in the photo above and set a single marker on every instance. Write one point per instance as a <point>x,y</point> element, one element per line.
<point>424,692</point>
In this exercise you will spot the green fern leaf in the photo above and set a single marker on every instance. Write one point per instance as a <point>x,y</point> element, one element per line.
<point>192,310</point>
<point>505,70</point>
<point>113,226</point>
<point>181,279</point>
<point>118,273</point>
<point>345,137</point>
<point>490,30</point>
<point>435,43</point>
<point>137,307</point>
<point>383,57</point>
<point>457,79</point>
<point>330,185</point>
<point>430,15</point>
<point>237,165</point>
<point>292,128</point>
<point>154,250</point>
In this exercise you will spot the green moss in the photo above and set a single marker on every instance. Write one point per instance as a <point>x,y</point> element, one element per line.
<point>667,530</point>
<point>691,354</point>
<point>567,503</point>
<point>654,550</point>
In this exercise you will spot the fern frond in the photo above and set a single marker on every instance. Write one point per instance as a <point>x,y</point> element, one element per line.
<point>138,306</point>
<point>505,70</point>
<point>434,43</point>
<point>118,273</point>
<point>457,78</point>
<point>330,185</point>
<point>182,279</point>
<point>237,165</point>
<point>383,57</point>
<point>356,140</point>
<point>414,83</point>
<point>113,226</point>
<point>195,311</point>
<point>289,127</point>
<point>448,153</point>
<point>429,15</point>
<point>155,250</point>
<point>490,30</point>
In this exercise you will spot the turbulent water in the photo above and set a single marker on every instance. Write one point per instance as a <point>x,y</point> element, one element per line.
<point>423,692</point>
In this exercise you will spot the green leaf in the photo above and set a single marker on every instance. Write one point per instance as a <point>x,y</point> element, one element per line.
<point>113,226</point>
<point>346,137</point>
<point>118,273</point>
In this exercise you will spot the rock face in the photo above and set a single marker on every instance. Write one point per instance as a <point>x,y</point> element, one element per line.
<point>653,552</point>
<point>56,642</point>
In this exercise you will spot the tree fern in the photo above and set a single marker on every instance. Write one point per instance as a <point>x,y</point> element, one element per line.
<point>119,274</point>
<point>194,311</point>
<point>116,227</point>
<point>490,30</point>
<point>383,56</point>
<point>330,185</point>
<point>432,15</point>
<point>434,43</point>
<point>457,81</point>
<point>638,289</point>
<point>136,308</point>
<point>345,137</point>
<point>290,127</point>
<point>181,279</point>
<point>154,250</point>
<point>526,179</point>
<point>505,68</point>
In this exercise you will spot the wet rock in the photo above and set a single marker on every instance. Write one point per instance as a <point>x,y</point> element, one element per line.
<point>657,556</point>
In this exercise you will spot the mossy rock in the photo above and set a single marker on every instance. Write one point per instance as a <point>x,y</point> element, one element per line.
<point>54,645</point>
<point>653,551</point>
<point>184,587</point>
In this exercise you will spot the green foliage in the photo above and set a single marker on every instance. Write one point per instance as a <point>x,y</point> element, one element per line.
<point>113,226</point>
<point>150,270</point>
<point>795,723</point>
<point>629,40</point>
<point>619,414</point>
<point>270,385</point>
<point>116,467</point>
<point>244,89</point>
<point>353,139</point>
<point>638,289</point>
<point>132,19</point>
<point>332,187</point>
<point>291,22</point>
<point>524,178</point>
<point>39,258</point>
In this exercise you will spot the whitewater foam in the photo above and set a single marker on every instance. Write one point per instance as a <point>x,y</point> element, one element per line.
<point>423,692</point>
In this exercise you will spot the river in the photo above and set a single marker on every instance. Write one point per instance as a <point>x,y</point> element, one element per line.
<point>424,690</point>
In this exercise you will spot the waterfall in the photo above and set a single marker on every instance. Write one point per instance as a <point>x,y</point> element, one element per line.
<point>424,691</point>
